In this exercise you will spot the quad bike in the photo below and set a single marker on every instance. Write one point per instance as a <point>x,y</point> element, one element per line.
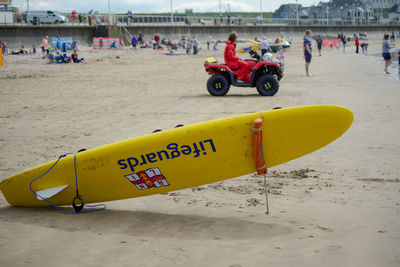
<point>265,76</point>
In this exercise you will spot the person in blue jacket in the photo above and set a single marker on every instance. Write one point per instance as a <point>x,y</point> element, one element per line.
<point>399,64</point>
<point>59,42</point>
<point>134,42</point>
<point>307,51</point>
<point>113,45</point>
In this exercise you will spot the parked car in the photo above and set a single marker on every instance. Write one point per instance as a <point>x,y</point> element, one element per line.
<point>45,17</point>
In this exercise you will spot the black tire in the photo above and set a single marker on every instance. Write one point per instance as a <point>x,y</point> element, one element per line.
<point>267,85</point>
<point>218,85</point>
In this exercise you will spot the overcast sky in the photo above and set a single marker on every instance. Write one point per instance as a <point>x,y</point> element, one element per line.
<point>158,5</point>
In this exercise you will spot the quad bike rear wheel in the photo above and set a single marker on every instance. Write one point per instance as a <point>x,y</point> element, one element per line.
<point>218,85</point>
<point>267,85</point>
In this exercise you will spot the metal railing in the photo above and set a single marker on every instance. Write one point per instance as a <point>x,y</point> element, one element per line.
<point>83,19</point>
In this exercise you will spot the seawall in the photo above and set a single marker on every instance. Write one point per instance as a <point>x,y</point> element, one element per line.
<point>28,35</point>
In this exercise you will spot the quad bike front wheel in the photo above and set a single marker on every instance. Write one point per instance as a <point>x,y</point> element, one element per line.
<point>218,85</point>
<point>267,85</point>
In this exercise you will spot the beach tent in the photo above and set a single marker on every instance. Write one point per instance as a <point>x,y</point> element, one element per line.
<point>4,46</point>
<point>67,43</point>
<point>105,43</point>
<point>329,42</point>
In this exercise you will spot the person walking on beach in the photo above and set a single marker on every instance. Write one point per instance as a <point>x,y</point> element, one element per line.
<point>357,44</point>
<point>188,46</point>
<point>264,46</point>
<point>344,41</point>
<point>194,44</point>
<point>319,44</point>
<point>44,45</point>
<point>307,51</point>
<point>134,42</point>
<point>386,52</point>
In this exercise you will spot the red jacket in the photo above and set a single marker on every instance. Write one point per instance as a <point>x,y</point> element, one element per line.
<point>357,43</point>
<point>230,55</point>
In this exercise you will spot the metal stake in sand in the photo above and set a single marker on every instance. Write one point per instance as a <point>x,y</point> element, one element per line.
<point>266,192</point>
<point>1,57</point>
<point>259,156</point>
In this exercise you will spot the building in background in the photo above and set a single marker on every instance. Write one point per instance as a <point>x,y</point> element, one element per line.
<point>341,12</point>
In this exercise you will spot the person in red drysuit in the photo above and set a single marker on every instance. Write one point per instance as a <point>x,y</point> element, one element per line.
<point>356,43</point>
<point>234,62</point>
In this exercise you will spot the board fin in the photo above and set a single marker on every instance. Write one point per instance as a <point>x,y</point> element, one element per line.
<point>49,192</point>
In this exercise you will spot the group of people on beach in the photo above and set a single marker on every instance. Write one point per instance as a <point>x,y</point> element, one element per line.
<point>386,46</point>
<point>54,54</point>
<point>157,43</point>
<point>56,57</point>
<point>357,37</point>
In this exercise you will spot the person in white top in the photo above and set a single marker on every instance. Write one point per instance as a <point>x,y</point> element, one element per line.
<point>264,46</point>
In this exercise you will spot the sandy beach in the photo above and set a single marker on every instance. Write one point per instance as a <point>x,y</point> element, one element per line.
<point>339,206</point>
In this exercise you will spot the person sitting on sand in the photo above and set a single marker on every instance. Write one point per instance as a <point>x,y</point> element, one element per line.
<point>22,50</point>
<point>215,47</point>
<point>75,57</point>
<point>181,44</point>
<point>234,62</point>
<point>154,44</point>
<point>57,58</point>
<point>53,54</point>
<point>171,52</point>
<point>113,45</point>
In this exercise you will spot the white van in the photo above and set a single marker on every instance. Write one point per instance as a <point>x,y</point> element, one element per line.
<point>45,17</point>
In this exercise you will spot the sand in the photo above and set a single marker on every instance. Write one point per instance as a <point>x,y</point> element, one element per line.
<point>339,206</point>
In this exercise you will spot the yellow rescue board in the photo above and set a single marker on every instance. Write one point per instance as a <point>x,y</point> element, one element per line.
<point>182,157</point>
<point>256,46</point>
